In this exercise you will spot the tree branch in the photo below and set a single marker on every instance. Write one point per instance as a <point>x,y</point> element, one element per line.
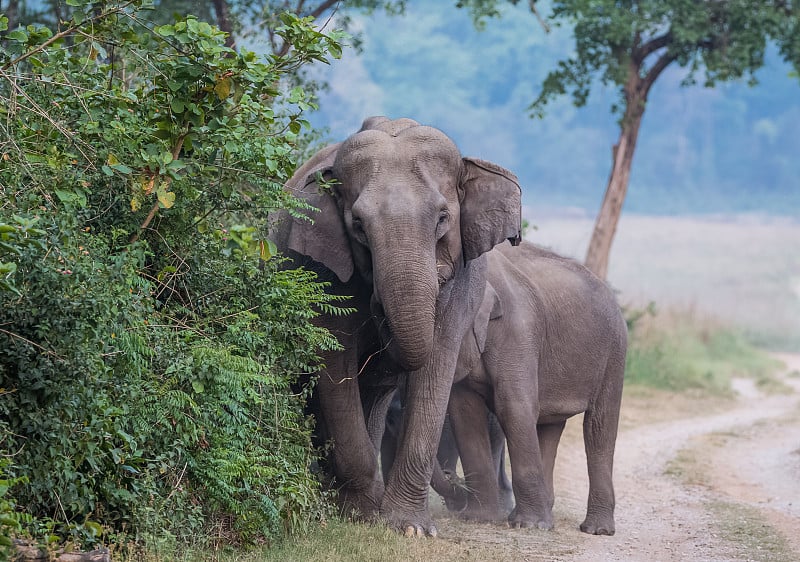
<point>663,62</point>
<point>641,53</point>
<point>319,10</point>
<point>542,22</point>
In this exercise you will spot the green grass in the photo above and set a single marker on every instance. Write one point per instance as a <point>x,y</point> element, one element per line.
<point>679,350</point>
<point>339,541</point>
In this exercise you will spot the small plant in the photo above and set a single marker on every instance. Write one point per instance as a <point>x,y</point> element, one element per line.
<point>10,517</point>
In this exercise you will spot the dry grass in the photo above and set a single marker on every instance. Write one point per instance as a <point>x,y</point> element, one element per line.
<point>681,350</point>
<point>742,269</point>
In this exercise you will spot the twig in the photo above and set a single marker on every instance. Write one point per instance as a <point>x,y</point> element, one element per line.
<point>532,4</point>
<point>34,344</point>
<point>177,482</point>
<point>154,209</point>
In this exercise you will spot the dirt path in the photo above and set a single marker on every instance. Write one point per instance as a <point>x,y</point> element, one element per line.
<point>695,481</point>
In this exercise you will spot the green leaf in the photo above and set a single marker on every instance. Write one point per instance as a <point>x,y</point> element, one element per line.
<point>122,168</point>
<point>18,35</point>
<point>335,50</point>
<point>198,386</point>
<point>165,30</point>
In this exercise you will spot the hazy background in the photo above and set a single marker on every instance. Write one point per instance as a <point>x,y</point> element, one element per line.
<point>711,218</point>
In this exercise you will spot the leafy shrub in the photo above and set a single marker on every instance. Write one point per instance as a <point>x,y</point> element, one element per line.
<point>148,337</point>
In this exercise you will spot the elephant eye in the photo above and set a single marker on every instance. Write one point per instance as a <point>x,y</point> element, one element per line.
<point>358,230</point>
<point>442,224</point>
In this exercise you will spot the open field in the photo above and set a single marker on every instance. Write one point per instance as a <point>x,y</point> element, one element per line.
<point>743,269</point>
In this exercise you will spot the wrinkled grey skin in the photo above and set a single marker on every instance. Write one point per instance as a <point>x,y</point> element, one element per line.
<point>549,342</point>
<point>444,480</point>
<point>403,229</point>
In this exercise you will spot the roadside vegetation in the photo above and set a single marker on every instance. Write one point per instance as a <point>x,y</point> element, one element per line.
<point>680,350</point>
<point>150,345</point>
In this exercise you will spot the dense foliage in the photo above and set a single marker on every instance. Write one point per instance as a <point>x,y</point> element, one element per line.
<point>148,342</point>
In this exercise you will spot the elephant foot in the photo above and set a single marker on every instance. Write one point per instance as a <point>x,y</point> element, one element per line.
<point>412,525</point>
<point>506,501</point>
<point>598,525</point>
<point>481,513</point>
<point>360,505</point>
<point>455,499</point>
<point>521,520</point>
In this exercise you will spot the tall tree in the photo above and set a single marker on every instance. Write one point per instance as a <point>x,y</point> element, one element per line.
<point>630,43</point>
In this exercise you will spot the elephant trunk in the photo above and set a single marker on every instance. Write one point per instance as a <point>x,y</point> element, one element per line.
<point>406,290</point>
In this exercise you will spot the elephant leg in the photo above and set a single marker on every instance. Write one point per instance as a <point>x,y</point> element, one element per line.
<point>517,413</point>
<point>469,419</point>
<point>498,441</point>
<point>391,436</point>
<point>448,450</point>
<point>443,480</point>
<point>405,502</point>
<point>355,462</point>
<point>549,436</point>
<point>599,437</point>
<point>377,415</point>
<point>453,494</point>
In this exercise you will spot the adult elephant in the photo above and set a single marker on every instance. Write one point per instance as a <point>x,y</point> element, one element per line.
<point>403,224</point>
<point>549,341</point>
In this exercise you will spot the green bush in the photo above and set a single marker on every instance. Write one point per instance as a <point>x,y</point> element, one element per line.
<point>148,337</point>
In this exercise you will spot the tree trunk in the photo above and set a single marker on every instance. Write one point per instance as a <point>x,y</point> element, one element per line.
<point>11,12</point>
<point>606,224</point>
<point>223,13</point>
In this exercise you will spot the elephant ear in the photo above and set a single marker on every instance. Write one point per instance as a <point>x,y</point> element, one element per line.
<point>322,238</point>
<point>491,207</point>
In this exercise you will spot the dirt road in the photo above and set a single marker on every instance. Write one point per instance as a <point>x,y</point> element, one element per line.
<point>696,480</point>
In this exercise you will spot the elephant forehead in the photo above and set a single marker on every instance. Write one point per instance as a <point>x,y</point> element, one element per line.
<point>416,151</point>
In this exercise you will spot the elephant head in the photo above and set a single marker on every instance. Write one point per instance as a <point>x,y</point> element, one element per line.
<point>406,212</point>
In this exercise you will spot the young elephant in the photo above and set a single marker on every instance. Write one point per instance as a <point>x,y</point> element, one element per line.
<point>549,342</point>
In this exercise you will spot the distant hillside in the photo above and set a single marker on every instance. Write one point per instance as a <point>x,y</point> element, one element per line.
<point>730,149</point>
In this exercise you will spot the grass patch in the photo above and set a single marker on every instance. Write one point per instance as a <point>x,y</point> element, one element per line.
<point>750,536</point>
<point>339,541</point>
<point>679,350</point>
<point>741,526</point>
